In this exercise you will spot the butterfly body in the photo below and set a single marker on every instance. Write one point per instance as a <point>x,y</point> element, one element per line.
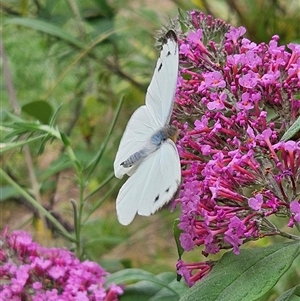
<point>151,145</point>
<point>147,153</point>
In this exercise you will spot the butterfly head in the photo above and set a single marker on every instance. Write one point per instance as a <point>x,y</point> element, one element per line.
<point>172,131</point>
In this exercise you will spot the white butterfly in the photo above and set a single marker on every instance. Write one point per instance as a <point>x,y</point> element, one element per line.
<point>146,152</point>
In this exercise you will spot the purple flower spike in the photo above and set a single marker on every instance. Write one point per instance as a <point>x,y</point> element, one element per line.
<point>31,272</point>
<point>238,98</point>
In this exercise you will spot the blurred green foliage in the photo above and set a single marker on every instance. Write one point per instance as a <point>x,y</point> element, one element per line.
<point>78,58</point>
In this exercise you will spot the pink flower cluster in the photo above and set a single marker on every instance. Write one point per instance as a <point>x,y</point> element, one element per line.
<point>31,272</point>
<point>234,101</point>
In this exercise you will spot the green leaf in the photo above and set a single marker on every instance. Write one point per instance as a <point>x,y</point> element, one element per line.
<point>40,110</point>
<point>54,116</point>
<point>65,139</point>
<point>98,156</point>
<point>21,128</point>
<point>149,287</point>
<point>4,176</point>
<point>30,127</point>
<point>292,294</point>
<point>145,290</point>
<point>131,275</point>
<point>245,277</point>
<point>105,8</point>
<point>11,145</point>
<point>7,192</point>
<point>177,232</point>
<point>297,291</point>
<point>57,166</point>
<point>293,130</point>
<point>46,27</point>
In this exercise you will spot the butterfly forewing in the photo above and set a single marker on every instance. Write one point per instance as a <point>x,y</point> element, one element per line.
<point>161,91</point>
<point>139,128</point>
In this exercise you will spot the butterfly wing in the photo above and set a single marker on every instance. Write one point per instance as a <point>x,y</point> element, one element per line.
<point>151,186</point>
<point>153,182</point>
<point>156,113</point>
<point>162,88</point>
<point>139,128</point>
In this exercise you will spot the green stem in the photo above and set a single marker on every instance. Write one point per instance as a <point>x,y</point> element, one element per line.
<point>106,181</point>
<point>297,226</point>
<point>77,209</point>
<point>79,216</point>
<point>278,231</point>
<point>36,205</point>
<point>100,202</point>
<point>288,235</point>
<point>81,55</point>
<point>104,144</point>
<point>11,145</point>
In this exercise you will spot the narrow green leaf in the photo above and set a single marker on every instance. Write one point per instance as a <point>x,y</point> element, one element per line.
<point>75,216</point>
<point>65,139</point>
<point>166,294</point>
<point>54,116</point>
<point>98,156</point>
<point>297,291</point>
<point>29,126</point>
<point>103,198</point>
<point>57,166</point>
<point>21,128</point>
<point>148,286</point>
<point>176,233</point>
<point>106,9</point>
<point>46,27</point>
<point>134,275</point>
<point>182,19</point>
<point>11,145</point>
<point>8,116</point>
<point>41,110</point>
<point>245,277</point>
<point>292,294</point>
<point>43,143</point>
<point>7,192</point>
<point>145,290</point>
<point>35,204</point>
<point>103,183</point>
<point>293,130</point>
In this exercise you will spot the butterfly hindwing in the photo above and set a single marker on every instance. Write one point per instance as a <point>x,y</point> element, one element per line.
<point>151,186</point>
<point>165,179</point>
